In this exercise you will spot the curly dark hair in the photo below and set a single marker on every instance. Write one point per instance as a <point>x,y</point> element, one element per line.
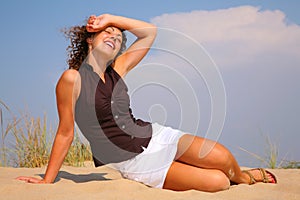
<point>78,48</point>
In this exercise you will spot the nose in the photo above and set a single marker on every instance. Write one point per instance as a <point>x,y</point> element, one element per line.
<point>114,38</point>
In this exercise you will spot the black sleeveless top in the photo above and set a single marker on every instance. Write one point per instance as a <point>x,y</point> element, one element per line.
<point>103,115</point>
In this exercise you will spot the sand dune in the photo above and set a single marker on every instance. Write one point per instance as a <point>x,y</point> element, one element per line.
<point>87,183</point>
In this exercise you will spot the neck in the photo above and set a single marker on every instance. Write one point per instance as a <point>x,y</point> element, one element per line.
<point>99,65</point>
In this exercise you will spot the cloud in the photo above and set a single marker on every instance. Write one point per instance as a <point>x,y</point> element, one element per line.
<point>237,35</point>
<point>259,43</point>
<point>258,54</point>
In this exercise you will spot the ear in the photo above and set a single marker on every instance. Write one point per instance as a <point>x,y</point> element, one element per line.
<point>89,40</point>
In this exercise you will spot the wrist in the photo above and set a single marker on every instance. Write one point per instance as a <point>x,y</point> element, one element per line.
<point>115,21</point>
<point>45,181</point>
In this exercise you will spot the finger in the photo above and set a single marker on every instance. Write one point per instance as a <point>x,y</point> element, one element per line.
<point>28,179</point>
<point>89,29</point>
<point>92,28</point>
<point>31,180</point>
<point>91,19</point>
<point>22,178</point>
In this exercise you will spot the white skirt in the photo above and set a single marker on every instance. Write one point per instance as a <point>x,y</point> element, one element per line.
<point>152,165</point>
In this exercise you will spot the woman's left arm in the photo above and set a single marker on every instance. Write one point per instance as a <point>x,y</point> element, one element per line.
<point>144,31</point>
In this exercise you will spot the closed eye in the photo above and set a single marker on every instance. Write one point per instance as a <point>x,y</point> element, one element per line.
<point>110,31</point>
<point>119,40</point>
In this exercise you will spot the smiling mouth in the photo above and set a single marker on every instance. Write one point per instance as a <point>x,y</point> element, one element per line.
<point>111,44</point>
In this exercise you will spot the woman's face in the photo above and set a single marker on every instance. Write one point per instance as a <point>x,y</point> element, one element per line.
<point>108,41</point>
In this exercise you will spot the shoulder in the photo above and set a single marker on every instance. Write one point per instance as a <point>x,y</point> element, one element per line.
<point>69,80</point>
<point>70,76</point>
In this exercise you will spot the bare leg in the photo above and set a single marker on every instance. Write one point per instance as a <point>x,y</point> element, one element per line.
<point>185,177</point>
<point>207,154</point>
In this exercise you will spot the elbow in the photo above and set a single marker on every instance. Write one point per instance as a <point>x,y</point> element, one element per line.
<point>153,30</point>
<point>66,134</point>
<point>69,138</point>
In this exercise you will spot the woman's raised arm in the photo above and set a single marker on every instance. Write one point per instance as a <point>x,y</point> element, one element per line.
<point>144,31</point>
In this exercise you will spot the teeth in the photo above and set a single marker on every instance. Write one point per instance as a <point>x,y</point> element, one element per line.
<point>110,44</point>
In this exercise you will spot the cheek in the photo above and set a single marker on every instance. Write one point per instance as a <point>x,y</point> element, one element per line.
<point>96,43</point>
<point>98,38</point>
<point>118,47</point>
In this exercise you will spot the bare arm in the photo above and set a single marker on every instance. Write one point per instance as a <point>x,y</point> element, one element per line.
<point>144,31</point>
<point>67,91</point>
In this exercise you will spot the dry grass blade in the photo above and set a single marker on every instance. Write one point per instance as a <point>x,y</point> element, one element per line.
<point>261,159</point>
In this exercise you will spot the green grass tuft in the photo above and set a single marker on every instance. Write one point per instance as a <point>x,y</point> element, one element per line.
<point>270,159</point>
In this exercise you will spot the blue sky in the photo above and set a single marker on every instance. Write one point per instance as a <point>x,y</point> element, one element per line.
<point>260,72</point>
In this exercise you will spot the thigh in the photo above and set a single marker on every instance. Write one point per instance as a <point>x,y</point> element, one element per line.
<point>182,177</point>
<point>201,152</point>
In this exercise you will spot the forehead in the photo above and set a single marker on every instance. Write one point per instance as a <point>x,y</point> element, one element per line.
<point>114,29</point>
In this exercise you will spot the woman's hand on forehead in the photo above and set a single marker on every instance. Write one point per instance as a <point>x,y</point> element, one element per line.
<point>96,24</point>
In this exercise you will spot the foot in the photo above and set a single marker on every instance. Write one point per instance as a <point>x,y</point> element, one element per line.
<point>260,175</point>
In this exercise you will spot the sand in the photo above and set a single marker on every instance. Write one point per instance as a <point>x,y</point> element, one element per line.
<point>87,183</point>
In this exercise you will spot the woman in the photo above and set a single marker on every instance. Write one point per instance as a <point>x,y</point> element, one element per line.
<point>93,94</point>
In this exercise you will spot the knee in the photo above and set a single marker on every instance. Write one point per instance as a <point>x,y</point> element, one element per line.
<point>218,182</point>
<point>215,152</point>
<point>222,155</point>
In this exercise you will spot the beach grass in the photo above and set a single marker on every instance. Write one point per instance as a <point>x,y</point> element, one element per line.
<point>271,157</point>
<point>32,142</point>
<point>33,138</point>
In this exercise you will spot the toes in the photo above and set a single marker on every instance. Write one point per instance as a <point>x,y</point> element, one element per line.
<point>271,178</point>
